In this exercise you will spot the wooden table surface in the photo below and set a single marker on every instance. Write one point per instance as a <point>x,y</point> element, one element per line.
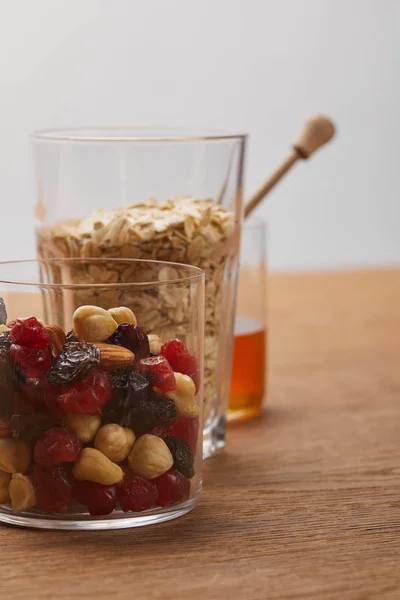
<point>304,503</point>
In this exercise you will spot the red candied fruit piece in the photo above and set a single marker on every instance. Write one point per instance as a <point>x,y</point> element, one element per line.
<point>53,488</point>
<point>99,499</point>
<point>172,487</point>
<point>58,445</point>
<point>187,364</point>
<point>34,390</point>
<point>136,494</point>
<point>170,350</point>
<point>196,379</point>
<point>158,371</point>
<point>30,333</point>
<point>30,397</point>
<point>162,431</point>
<point>186,428</point>
<point>34,362</point>
<point>85,397</point>
<point>181,360</point>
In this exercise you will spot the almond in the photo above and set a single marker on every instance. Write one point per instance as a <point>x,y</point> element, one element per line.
<point>57,338</point>
<point>114,357</point>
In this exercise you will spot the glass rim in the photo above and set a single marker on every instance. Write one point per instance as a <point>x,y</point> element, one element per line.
<point>126,133</point>
<point>197,275</point>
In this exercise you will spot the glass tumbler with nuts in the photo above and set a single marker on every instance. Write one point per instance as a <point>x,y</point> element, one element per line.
<point>101,393</point>
<point>160,194</point>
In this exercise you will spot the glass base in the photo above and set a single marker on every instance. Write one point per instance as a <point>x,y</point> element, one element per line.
<point>214,437</point>
<point>118,520</point>
<point>244,414</point>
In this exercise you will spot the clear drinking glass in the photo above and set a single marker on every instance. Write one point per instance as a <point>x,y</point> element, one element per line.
<point>249,369</point>
<point>167,195</point>
<point>98,429</point>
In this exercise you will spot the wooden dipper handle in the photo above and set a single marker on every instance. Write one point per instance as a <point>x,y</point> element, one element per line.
<point>317,131</point>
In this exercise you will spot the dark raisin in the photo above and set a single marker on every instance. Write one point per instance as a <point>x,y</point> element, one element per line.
<point>183,456</point>
<point>6,384</point>
<point>131,337</point>
<point>30,427</point>
<point>119,380</point>
<point>150,413</point>
<point>5,340</point>
<point>71,336</point>
<point>3,312</point>
<point>128,389</point>
<point>74,363</point>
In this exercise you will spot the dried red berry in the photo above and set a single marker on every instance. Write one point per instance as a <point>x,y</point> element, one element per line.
<point>186,428</point>
<point>181,361</point>
<point>98,499</point>
<point>34,362</point>
<point>30,333</point>
<point>58,445</point>
<point>170,350</point>
<point>158,371</point>
<point>86,397</point>
<point>196,379</point>
<point>183,456</point>
<point>53,487</point>
<point>34,389</point>
<point>172,487</point>
<point>136,494</point>
<point>162,431</point>
<point>131,337</point>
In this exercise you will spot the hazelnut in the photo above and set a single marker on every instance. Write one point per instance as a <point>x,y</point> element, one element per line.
<point>93,465</point>
<point>85,426</point>
<point>15,455</point>
<point>22,493</point>
<point>93,324</point>
<point>5,479</point>
<point>183,396</point>
<point>122,314</point>
<point>150,457</point>
<point>114,441</point>
<point>155,343</point>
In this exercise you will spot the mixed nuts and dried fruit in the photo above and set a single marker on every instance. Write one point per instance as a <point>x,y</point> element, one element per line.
<point>102,418</point>
<point>185,230</point>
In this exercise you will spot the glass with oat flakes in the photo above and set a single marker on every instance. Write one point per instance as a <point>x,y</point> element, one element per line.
<point>150,194</point>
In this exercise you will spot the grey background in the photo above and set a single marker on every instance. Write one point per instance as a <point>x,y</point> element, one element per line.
<point>259,66</point>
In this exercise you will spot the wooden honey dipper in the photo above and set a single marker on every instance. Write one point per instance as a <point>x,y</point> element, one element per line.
<point>317,131</point>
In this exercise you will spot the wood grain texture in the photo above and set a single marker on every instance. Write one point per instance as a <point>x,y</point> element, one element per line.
<point>303,504</point>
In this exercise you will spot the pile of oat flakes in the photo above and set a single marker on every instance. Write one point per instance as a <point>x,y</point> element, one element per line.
<point>183,230</point>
